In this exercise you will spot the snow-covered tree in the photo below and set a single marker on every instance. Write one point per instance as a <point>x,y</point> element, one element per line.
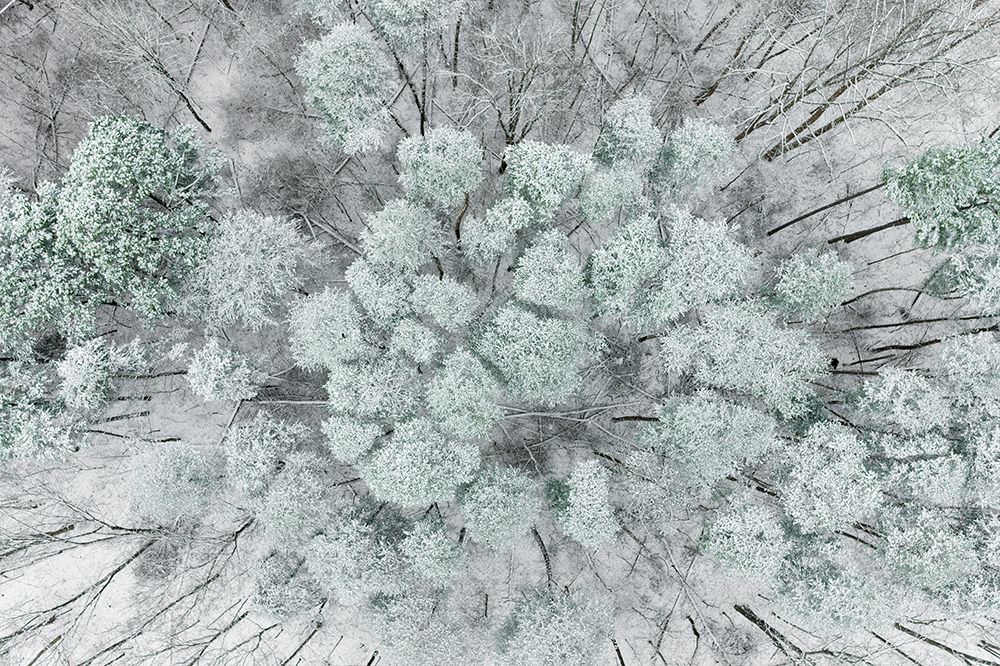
<point>710,437</point>
<point>827,486</point>
<point>906,400</point>
<point>441,167</point>
<point>432,553</point>
<point>282,587</point>
<point>694,156</point>
<point>427,630</point>
<point>413,339</point>
<point>222,373</point>
<point>326,328</point>
<point>32,425</point>
<point>620,272</point>
<point>86,376</point>
<point>608,192</point>
<point>173,482</point>
<point>348,81</point>
<point>553,629</point>
<point>705,264</point>
<point>403,234</point>
<point>462,397</point>
<point>583,507</point>
<point>403,23</point>
<point>810,284</point>
<point>419,465</point>
<point>544,175</point>
<point>748,539</point>
<point>256,450</point>
<point>132,210</point>
<point>379,389</point>
<point>740,348</point>
<point>628,135</point>
<point>356,559</point>
<point>383,293</point>
<point>349,439</point>
<point>253,261</point>
<point>549,273</point>
<point>486,238</point>
<point>126,222</point>
<point>297,504</point>
<point>501,505</point>
<point>949,194</point>
<point>445,301</point>
<point>540,358</point>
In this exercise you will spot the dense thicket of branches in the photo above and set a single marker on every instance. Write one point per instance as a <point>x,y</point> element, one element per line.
<point>489,331</point>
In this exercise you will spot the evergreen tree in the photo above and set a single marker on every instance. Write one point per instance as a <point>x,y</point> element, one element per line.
<point>173,483</point>
<point>949,194</point>
<point>694,156</point>
<point>256,451</point>
<point>444,301</point>
<point>325,329</point>
<point>749,540</point>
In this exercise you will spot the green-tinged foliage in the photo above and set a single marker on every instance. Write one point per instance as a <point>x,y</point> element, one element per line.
<point>628,135</point>
<point>949,194</point>
<point>748,539</point>
<point>444,301</point>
